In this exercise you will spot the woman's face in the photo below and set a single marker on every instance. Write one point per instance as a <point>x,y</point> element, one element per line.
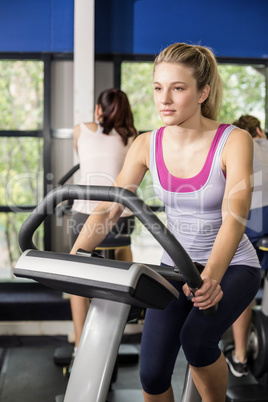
<point>175,93</point>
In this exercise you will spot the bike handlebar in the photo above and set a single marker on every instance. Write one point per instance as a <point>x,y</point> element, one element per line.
<point>119,195</point>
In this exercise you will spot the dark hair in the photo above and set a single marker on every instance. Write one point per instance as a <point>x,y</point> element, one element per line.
<point>116,113</point>
<point>248,123</point>
<point>205,70</point>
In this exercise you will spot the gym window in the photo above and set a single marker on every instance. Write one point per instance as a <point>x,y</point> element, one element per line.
<point>21,151</point>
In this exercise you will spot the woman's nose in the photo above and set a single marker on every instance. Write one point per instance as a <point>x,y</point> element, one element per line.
<point>165,100</point>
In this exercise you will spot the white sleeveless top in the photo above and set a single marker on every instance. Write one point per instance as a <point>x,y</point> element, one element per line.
<point>257,224</point>
<point>260,168</point>
<point>101,158</point>
<point>194,217</point>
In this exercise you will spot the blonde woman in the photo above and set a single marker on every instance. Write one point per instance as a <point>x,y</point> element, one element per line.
<point>201,171</point>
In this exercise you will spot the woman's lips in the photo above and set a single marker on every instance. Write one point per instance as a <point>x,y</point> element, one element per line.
<point>167,112</point>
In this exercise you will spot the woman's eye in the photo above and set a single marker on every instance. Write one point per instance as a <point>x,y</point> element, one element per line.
<point>157,88</point>
<point>178,89</point>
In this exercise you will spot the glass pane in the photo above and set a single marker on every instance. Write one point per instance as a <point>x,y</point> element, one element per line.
<point>10,224</point>
<point>146,191</point>
<point>21,94</point>
<point>137,82</point>
<point>145,248</point>
<point>244,92</point>
<point>21,166</point>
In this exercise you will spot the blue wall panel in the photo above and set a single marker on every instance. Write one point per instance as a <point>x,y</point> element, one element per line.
<point>36,25</point>
<point>233,28</point>
<point>62,26</point>
<point>114,26</point>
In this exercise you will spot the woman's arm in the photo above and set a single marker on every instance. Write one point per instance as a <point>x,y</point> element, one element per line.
<point>237,160</point>
<point>106,214</point>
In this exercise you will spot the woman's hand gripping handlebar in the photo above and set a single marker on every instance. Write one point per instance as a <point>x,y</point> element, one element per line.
<point>127,198</point>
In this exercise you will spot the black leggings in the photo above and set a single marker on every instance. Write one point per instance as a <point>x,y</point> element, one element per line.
<point>181,324</point>
<point>124,225</point>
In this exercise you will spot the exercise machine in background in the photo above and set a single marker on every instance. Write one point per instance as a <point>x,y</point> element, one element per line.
<point>254,386</point>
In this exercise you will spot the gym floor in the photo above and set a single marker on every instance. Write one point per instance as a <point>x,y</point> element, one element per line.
<point>29,374</point>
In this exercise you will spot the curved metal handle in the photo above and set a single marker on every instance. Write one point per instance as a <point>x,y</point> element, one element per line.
<point>125,197</point>
<point>69,174</point>
<point>113,194</point>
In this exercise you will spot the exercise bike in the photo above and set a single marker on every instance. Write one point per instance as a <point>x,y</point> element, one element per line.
<point>118,289</point>
<point>254,387</point>
<point>114,241</point>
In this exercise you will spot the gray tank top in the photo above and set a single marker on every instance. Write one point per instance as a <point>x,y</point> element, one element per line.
<point>194,217</point>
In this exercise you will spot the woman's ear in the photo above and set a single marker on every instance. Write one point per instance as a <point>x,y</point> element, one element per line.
<point>260,133</point>
<point>204,94</point>
<point>98,112</point>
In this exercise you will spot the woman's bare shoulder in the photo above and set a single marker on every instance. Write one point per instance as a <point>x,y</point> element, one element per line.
<point>239,137</point>
<point>142,141</point>
<point>140,148</point>
<point>92,126</point>
<point>238,148</point>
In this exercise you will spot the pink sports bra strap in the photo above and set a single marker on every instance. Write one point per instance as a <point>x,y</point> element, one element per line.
<point>176,184</point>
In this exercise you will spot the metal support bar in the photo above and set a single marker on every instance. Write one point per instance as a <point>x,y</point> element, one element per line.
<point>97,352</point>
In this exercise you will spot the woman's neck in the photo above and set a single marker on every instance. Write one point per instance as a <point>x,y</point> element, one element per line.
<point>187,134</point>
